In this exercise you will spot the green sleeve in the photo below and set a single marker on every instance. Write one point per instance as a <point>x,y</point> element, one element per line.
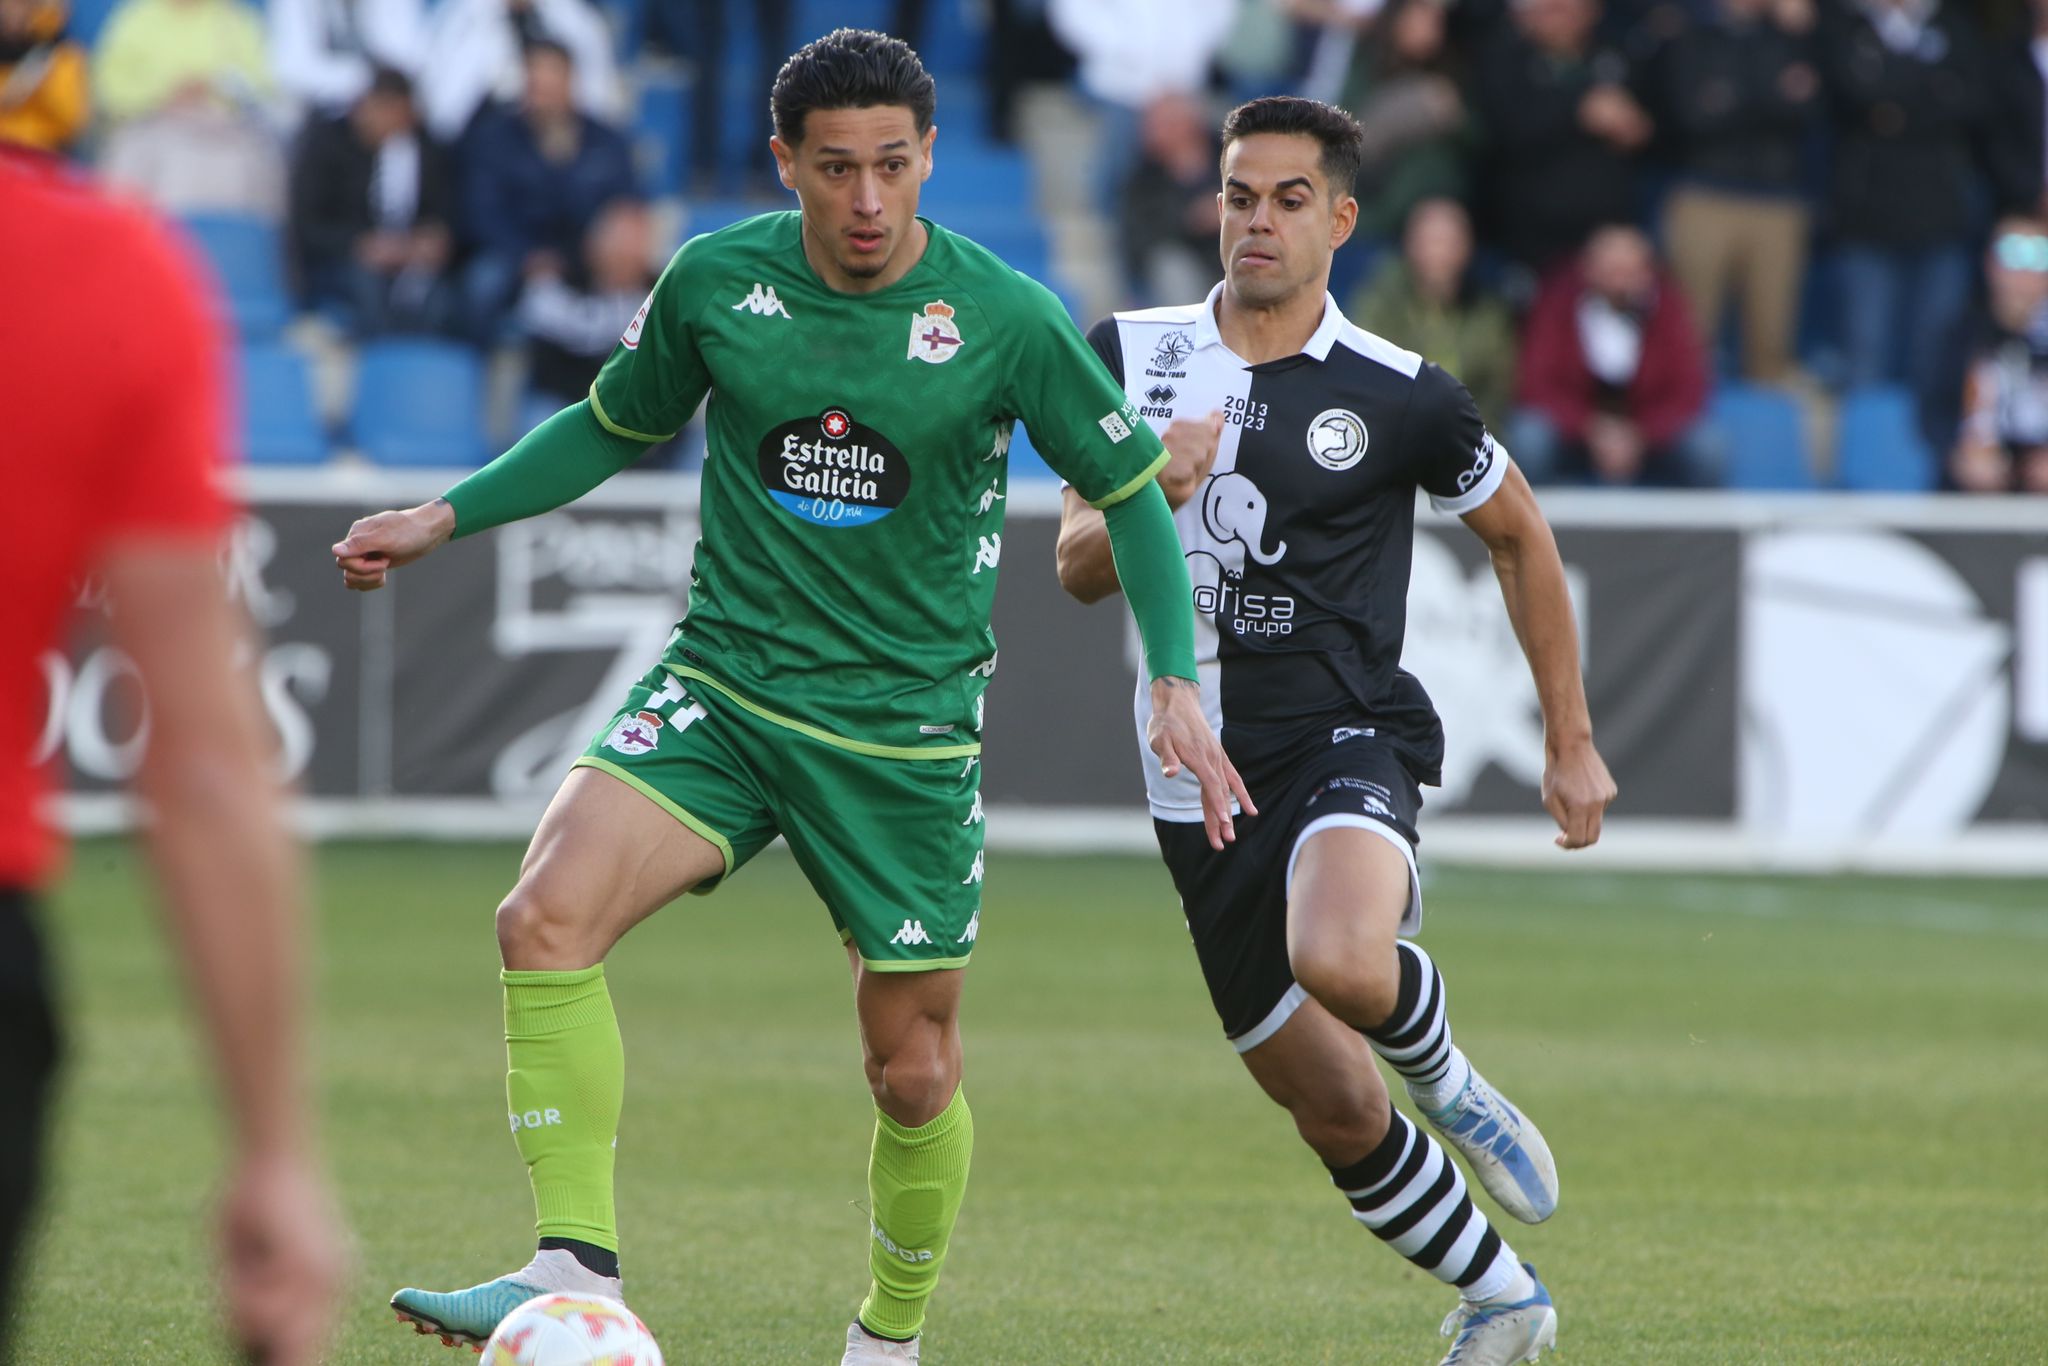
<point>655,377</point>
<point>556,463</point>
<point>1079,418</point>
<point>1154,574</point>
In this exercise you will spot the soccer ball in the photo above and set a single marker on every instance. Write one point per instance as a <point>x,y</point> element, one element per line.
<point>572,1330</point>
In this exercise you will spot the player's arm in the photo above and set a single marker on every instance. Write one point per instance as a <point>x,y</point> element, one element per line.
<point>1087,568</point>
<point>652,383</point>
<point>1576,785</point>
<point>1095,440</point>
<point>229,872</point>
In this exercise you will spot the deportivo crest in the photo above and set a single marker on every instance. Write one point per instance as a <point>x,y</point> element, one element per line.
<point>635,734</point>
<point>631,341</point>
<point>934,336</point>
<point>1337,438</point>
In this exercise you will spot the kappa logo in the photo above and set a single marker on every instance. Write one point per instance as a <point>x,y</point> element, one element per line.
<point>990,496</point>
<point>974,815</point>
<point>974,873</point>
<point>989,553</point>
<point>631,341</point>
<point>762,303</point>
<point>1337,438</point>
<point>934,336</point>
<point>973,930</point>
<point>1173,350</point>
<point>987,667</point>
<point>911,933</point>
<point>635,734</point>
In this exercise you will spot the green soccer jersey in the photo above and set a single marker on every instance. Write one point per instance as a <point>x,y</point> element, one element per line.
<point>853,489</point>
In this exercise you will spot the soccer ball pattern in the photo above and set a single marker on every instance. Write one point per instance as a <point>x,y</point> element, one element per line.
<point>572,1330</point>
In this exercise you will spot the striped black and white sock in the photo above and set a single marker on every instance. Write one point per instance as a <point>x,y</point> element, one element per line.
<point>1412,1196</point>
<point>1416,1038</point>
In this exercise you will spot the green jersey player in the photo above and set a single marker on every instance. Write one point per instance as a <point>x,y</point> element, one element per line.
<point>864,368</point>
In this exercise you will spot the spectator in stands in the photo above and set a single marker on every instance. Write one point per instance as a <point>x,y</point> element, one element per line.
<point>574,316</point>
<point>1562,125</point>
<point>1612,379</point>
<point>1403,87</point>
<point>2018,147</point>
<point>1129,54</point>
<point>1424,299</point>
<point>534,178</point>
<point>475,56</point>
<point>372,208</point>
<point>1907,82</point>
<point>45,97</point>
<point>1990,412</point>
<point>703,32</point>
<point>185,85</point>
<point>1168,220</point>
<point>1738,95</point>
<point>325,52</point>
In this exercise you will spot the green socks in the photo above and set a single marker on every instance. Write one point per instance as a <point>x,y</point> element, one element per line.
<point>916,1178</point>
<point>566,1086</point>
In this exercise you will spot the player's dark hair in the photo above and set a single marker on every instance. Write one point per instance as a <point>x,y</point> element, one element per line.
<point>391,82</point>
<point>1342,140</point>
<point>850,68</point>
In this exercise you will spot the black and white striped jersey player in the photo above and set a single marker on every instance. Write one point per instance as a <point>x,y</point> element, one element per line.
<point>1298,443</point>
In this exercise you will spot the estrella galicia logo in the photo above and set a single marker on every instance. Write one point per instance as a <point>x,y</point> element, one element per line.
<point>1173,349</point>
<point>829,470</point>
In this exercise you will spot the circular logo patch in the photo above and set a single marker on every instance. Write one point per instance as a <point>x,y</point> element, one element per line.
<point>1337,438</point>
<point>831,471</point>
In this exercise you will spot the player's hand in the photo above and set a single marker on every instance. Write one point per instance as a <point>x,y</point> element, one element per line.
<point>1191,442</point>
<point>1179,734</point>
<point>1576,791</point>
<point>377,545</point>
<point>284,1256</point>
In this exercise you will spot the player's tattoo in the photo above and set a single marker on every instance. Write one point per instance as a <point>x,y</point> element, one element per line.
<point>1175,681</point>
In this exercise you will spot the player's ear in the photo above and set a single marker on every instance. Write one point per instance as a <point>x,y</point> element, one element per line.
<point>785,162</point>
<point>931,135</point>
<point>1342,221</point>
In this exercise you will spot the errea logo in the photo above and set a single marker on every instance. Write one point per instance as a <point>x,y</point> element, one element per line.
<point>762,302</point>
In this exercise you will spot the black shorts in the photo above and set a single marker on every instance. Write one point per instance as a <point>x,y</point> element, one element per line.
<point>28,1061</point>
<point>1236,900</point>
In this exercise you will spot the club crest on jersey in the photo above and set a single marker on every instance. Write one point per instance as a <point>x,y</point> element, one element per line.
<point>1337,438</point>
<point>635,734</point>
<point>1173,349</point>
<point>631,341</point>
<point>934,336</point>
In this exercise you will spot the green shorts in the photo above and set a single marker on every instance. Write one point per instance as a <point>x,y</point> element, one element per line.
<point>892,846</point>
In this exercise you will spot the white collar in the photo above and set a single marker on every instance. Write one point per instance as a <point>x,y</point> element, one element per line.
<point>1319,343</point>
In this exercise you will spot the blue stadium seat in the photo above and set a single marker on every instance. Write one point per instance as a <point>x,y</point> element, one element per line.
<point>87,17</point>
<point>279,423</point>
<point>247,256</point>
<point>1765,438</point>
<point>980,177</point>
<point>420,403</point>
<point>1878,447</point>
<point>658,134</point>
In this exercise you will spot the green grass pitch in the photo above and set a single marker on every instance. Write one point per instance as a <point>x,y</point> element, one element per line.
<point>1796,1121</point>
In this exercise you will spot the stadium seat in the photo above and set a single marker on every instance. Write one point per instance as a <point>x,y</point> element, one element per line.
<point>420,403</point>
<point>279,423</point>
<point>1878,444</point>
<point>87,17</point>
<point>247,256</point>
<point>658,134</point>
<point>1765,437</point>
<point>981,177</point>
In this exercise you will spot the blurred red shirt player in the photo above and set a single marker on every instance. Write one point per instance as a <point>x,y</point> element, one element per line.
<point>112,394</point>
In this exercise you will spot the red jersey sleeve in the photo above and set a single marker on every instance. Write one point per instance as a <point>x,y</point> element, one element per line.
<point>171,456</point>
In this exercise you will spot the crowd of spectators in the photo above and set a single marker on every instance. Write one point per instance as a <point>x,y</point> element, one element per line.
<point>1595,212</point>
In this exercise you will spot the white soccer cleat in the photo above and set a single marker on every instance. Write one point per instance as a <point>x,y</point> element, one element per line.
<point>1505,1150</point>
<point>1501,1334</point>
<point>469,1317</point>
<point>865,1349</point>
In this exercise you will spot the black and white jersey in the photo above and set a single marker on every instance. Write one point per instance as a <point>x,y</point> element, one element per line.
<point>1299,544</point>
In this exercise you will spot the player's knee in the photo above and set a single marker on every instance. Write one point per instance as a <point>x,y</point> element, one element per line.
<point>1347,980</point>
<point>1343,1123</point>
<point>540,931</point>
<point>912,1085</point>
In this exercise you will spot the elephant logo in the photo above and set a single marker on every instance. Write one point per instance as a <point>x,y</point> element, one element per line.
<point>1337,438</point>
<point>1234,512</point>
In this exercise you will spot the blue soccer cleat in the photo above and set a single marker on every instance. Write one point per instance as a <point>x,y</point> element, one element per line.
<point>1504,1149</point>
<point>1500,1334</point>
<point>471,1316</point>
